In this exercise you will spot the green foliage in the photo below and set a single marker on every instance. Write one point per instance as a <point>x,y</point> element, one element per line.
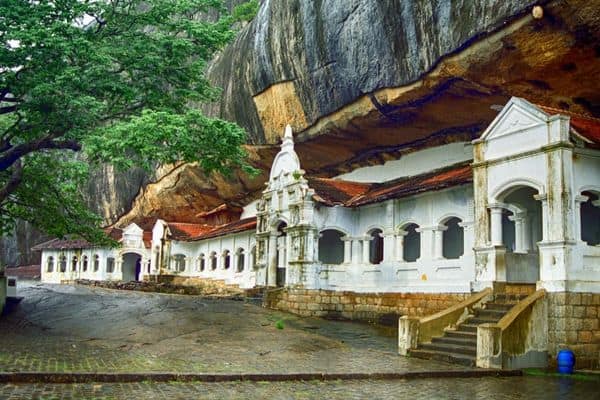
<point>279,324</point>
<point>246,11</point>
<point>87,82</point>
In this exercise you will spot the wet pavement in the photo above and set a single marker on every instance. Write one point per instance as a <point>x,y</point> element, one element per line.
<point>520,388</point>
<point>62,328</point>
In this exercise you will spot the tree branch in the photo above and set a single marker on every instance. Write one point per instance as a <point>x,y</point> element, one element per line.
<point>16,152</point>
<point>6,110</point>
<point>13,182</point>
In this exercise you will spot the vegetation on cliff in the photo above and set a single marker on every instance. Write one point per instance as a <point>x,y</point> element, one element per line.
<point>90,82</point>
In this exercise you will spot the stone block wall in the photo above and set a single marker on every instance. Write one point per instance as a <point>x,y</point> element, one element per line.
<point>373,307</point>
<point>574,323</point>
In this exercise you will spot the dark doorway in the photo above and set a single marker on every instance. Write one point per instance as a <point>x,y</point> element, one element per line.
<point>132,267</point>
<point>281,255</point>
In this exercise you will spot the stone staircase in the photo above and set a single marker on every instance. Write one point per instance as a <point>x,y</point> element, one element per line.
<point>459,345</point>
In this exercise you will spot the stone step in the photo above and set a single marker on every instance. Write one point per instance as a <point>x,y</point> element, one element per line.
<point>450,348</point>
<point>459,341</point>
<point>489,313</point>
<point>461,334</point>
<point>508,298</point>
<point>454,358</point>
<point>482,320</point>
<point>467,328</point>
<point>498,306</point>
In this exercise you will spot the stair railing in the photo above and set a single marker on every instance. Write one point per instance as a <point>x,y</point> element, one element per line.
<point>415,330</point>
<point>519,339</point>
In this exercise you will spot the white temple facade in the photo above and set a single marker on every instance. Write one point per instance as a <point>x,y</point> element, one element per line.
<point>519,204</point>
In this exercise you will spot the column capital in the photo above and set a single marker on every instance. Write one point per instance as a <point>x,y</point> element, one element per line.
<point>581,199</point>
<point>497,207</point>
<point>540,197</point>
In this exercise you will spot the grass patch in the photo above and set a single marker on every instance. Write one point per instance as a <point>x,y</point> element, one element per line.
<point>279,324</point>
<point>553,374</point>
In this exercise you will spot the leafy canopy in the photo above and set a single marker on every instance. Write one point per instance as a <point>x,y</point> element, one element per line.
<point>84,82</point>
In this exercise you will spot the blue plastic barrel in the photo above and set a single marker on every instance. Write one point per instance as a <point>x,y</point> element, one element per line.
<point>565,361</point>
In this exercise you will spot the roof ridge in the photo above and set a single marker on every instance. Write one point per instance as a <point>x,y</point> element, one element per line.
<point>568,112</point>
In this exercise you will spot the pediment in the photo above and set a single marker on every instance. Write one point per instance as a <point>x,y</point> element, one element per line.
<point>133,229</point>
<point>517,115</point>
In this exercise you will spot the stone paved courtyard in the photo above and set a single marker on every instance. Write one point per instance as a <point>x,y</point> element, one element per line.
<point>515,388</point>
<point>61,328</point>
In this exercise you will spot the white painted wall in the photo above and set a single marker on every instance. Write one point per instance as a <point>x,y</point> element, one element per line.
<point>413,163</point>
<point>193,250</point>
<point>430,273</point>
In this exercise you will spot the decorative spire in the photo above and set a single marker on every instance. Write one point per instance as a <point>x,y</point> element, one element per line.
<point>288,138</point>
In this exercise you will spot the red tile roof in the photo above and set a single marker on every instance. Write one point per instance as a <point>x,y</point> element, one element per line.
<point>241,225</point>
<point>63,244</point>
<point>336,191</point>
<point>585,126</point>
<point>184,231</point>
<point>377,192</point>
<point>436,180</point>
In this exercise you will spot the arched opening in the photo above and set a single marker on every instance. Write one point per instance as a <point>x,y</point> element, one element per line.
<point>201,262</point>
<point>213,261</point>
<point>521,221</point>
<point>84,263</point>
<point>110,265</point>
<point>96,262</point>
<point>411,249</point>
<point>132,267</point>
<point>590,219</point>
<point>331,247</point>
<point>281,260</point>
<point>226,259</point>
<point>453,238</point>
<point>50,264</point>
<point>62,263</point>
<point>241,260</point>
<point>376,246</point>
<point>178,263</point>
<point>74,264</point>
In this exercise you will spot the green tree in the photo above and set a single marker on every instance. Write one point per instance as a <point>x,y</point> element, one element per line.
<point>84,82</point>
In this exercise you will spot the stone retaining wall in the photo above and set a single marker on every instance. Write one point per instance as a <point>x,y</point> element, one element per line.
<point>574,323</point>
<point>374,307</point>
<point>188,281</point>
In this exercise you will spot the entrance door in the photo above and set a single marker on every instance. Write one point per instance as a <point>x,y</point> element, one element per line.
<point>131,267</point>
<point>281,254</point>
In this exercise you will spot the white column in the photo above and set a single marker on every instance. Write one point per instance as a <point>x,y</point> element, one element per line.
<point>519,239</point>
<point>388,246</point>
<point>400,245</point>
<point>347,249</point>
<point>356,251</point>
<point>545,215</point>
<point>438,242</point>
<point>365,250</point>
<point>272,261</point>
<point>578,200</point>
<point>468,241</point>
<point>427,243</point>
<point>496,226</point>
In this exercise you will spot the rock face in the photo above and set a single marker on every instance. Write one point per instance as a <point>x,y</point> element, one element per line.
<point>374,80</point>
